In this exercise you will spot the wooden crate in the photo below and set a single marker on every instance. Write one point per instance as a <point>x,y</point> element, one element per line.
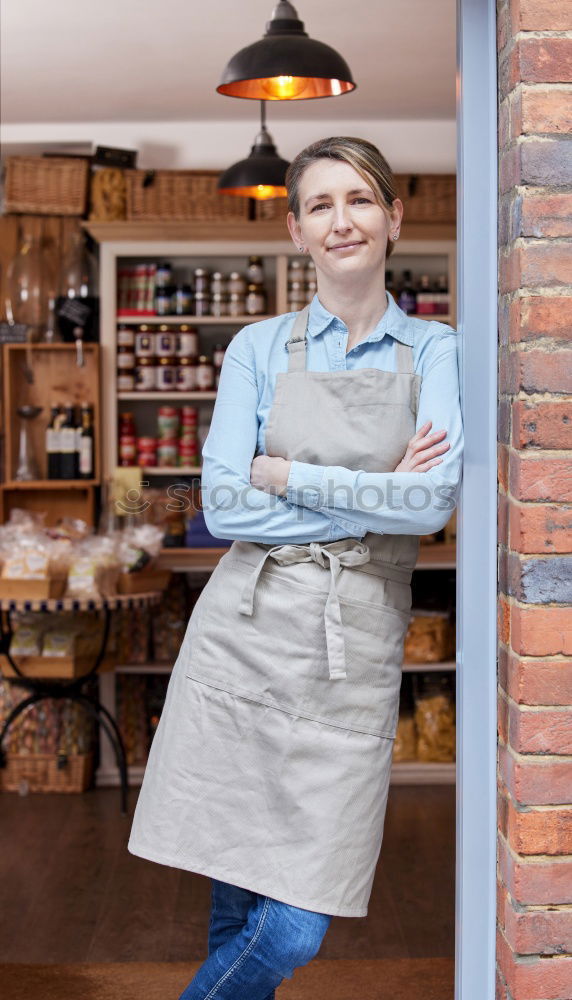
<point>32,590</point>
<point>46,185</point>
<point>143,582</point>
<point>40,773</point>
<point>180,196</point>
<point>48,667</point>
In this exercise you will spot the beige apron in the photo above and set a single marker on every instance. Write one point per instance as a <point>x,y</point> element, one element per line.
<point>270,765</point>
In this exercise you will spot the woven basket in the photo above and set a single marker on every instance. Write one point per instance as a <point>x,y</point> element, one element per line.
<point>40,773</point>
<point>180,196</point>
<point>46,185</point>
<point>427,197</point>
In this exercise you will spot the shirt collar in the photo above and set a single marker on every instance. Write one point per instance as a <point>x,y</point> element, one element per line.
<point>394,321</point>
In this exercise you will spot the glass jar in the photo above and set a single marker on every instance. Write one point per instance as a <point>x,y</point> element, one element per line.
<point>187,342</point>
<point>187,374</point>
<point>126,425</point>
<point>163,274</point>
<point>202,304</point>
<point>218,355</point>
<point>218,283</point>
<point>125,336</point>
<point>182,304</point>
<point>296,271</point>
<point>236,304</point>
<point>125,381</point>
<point>236,283</point>
<point>125,359</point>
<point>219,304</point>
<point>201,281</point>
<point>205,373</point>
<point>165,343</point>
<point>166,454</point>
<point>127,450</point>
<point>168,422</point>
<point>255,300</point>
<point>146,375</point>
<point>163,298</point>
<point>255,271</point>
<point>166,373</point>
<point>144,342</point>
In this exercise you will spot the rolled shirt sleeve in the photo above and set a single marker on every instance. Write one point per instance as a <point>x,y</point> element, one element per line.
<point>232,507</point>
<point>416,503</point>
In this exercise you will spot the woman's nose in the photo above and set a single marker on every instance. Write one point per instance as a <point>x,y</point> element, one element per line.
<point>342,221</point>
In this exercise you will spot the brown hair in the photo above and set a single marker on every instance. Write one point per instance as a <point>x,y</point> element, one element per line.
<point>360,154</point>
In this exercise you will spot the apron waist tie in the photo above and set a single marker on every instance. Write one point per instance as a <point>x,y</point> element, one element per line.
<point>286,555</point>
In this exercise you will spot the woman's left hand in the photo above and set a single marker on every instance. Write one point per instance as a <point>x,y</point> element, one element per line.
<point>270,474</point>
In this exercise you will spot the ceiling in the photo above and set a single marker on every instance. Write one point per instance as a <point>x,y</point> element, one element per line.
<point>137,61</point>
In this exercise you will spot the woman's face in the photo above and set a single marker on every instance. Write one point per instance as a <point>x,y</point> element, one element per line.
<point>341,225</point>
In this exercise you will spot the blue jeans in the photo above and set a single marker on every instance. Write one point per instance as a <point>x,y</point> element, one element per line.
<point>254,943</point>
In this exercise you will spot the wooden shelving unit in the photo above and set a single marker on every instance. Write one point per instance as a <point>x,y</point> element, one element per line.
<point>55,378</point>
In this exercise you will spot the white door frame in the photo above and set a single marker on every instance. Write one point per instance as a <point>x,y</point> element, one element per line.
<point>475,911</point>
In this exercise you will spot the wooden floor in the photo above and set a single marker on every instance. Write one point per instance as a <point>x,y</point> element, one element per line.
<point>71,892</point>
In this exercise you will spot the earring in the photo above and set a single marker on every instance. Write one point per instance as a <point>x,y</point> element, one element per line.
<point>301,249</point>
<point>395,236</point>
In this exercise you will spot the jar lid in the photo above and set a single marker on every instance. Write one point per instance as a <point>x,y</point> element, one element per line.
<point>200,272</point>
<point>217,276</point>
<point>146,362</point>
<point>236,296</point>
<point>235,274</point>
<point>167,361</point>
<point>204,359</point>
<point>201,295</point>
<point>256,287</point>
<point>254,259</point>
<point>143,328</point>
<point>185,328</point>
<point>187,360</point>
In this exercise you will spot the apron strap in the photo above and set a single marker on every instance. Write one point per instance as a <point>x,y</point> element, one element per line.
<point>297,343</point>
<point>404,358</point>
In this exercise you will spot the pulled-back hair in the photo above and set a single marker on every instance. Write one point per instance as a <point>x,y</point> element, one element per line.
<point>362,155</point>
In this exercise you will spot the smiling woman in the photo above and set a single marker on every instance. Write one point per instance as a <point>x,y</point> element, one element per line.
<point>269,770</point>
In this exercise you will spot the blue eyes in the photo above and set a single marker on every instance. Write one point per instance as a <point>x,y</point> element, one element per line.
<point>355,201</point>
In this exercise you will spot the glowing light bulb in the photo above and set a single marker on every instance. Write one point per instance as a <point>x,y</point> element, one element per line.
<point>283,88</point>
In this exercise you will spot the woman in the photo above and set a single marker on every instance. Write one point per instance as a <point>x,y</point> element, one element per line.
<point>269,771</point>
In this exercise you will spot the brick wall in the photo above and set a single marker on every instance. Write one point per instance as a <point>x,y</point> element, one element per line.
<point>534,912</point>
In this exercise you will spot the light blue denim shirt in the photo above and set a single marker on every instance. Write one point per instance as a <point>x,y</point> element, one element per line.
<point>324,503</point>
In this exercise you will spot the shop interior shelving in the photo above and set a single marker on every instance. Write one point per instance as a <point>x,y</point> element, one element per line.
<point>423,249</point>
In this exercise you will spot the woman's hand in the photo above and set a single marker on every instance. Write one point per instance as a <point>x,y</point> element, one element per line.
<point>423,450</point>
<point>270,474</point>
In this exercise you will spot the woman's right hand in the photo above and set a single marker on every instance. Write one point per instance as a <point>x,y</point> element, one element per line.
<point>423,450</point>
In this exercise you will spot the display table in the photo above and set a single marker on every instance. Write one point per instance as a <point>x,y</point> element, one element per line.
<point>42,688</point>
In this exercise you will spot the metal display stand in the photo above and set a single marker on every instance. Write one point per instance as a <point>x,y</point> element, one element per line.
<point>72,690</point>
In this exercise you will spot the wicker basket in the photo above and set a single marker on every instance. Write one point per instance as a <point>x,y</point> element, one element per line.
<point>180,196</point>
<point>46,185</point>
<point>40,773</point>
<point>427,198</point>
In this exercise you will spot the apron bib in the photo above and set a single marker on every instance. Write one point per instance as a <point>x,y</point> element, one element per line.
<point>270,765</point>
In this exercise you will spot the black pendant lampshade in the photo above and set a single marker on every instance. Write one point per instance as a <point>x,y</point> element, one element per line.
<point>261,175</point>
<point>286,65</point>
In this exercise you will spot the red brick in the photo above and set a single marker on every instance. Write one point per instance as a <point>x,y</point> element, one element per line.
<point>545,264</point>
<point>538,682</point>
<point>536,528</point>
<point>540,730</point>
<point>543,111</point>
<point>542,316</point>
<point>541,15</point>
<point>543,932</point>
<point>542,425</point>
<point>545,60</point>
<point>503,676</point>
<point>545,214</point>
<point>509,168</point>
<point>534,979</point>
<point>545,831</point>
<point>536,883</point>
<point>539,478</point>
<point>536,781</point>
<point>502,814</point>
<point>544,370</point>
<point>503,420</point>
<point>500,986</point>
<point>503,518</point>
<point>541,631</point>
<point>502,466</point>
<point>502,718</point>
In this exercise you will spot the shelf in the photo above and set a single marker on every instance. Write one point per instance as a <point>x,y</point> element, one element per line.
<point>49,484</point>
<point>172,470</point>
<point>195,320</point>
<point>439,555</point>
<point>423,668</point>
<point>144,668</point>
<point>206,395</point>
<point>203,559</point>
<point>406,773</point>
<point>417,772</point>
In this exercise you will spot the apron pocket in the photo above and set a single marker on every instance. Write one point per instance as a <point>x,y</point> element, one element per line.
<point>278,656</point>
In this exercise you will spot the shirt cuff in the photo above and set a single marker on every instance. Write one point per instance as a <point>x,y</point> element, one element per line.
<point>304,485</point>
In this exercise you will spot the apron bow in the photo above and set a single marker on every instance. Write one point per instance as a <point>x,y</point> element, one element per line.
<point>337,557</point>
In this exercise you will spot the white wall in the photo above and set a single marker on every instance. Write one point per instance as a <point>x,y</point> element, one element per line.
<point>409,146</point>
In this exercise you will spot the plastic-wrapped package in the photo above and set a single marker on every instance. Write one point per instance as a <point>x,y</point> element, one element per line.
<point>94,568</point>
<point>435,718</point>
<point>405,743</point>
<point>138,546</point>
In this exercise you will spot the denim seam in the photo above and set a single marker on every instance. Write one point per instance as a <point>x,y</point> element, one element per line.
<point>241,958</point>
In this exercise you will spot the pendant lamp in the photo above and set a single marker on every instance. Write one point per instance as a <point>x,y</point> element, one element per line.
<point>261,175</point>
<point>286,65</point>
